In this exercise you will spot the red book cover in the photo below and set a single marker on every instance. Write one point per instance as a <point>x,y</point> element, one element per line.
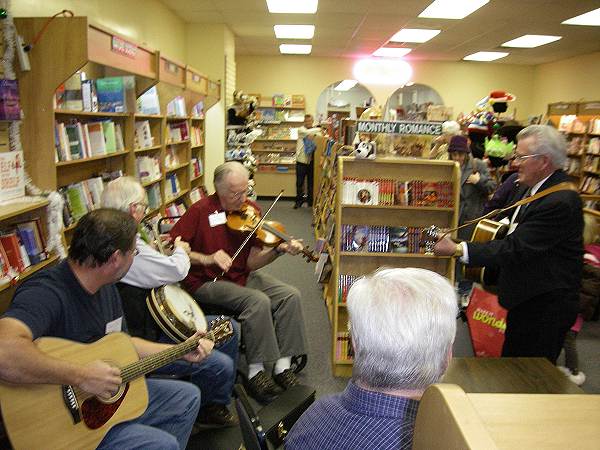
<point>10,243</point>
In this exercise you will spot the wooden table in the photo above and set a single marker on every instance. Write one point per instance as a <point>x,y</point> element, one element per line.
<point>509,375</point>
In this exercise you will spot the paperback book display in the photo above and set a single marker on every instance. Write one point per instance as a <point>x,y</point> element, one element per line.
<point>343,347</point>
<point>381,239</point>
<point>344,284</point>
<point>21,246</point>
<point>112,94</point>
<point>387,192</point>
<point>79,140</point>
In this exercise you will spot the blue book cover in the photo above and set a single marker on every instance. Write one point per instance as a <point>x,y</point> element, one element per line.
<point>111,94</point>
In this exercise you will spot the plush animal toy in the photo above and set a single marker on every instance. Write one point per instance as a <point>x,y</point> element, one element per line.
<point>365,150</point>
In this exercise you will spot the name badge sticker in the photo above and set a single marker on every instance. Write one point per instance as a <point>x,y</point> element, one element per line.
<point>114,325</point>
<point>217,218</point>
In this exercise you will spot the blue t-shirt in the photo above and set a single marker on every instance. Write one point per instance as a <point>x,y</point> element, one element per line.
<point>53,303</point>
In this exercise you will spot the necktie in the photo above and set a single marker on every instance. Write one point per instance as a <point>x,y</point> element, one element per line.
<point>513,221</point>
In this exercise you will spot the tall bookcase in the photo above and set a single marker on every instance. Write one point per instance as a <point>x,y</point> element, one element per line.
<point>353,264</point>
<point>275,151</point>
<point>72,44</point>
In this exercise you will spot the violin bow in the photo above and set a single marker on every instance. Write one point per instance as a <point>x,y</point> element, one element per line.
<point>260,222</point>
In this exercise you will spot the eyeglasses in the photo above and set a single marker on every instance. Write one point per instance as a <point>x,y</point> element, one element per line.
<point>142,205</point>
<point>238,195</point>
<point>521,158</point>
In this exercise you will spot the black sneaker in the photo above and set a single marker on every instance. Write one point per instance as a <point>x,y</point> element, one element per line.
<point>262,388</point>
<point>286,379</point>
<point>216,415</point>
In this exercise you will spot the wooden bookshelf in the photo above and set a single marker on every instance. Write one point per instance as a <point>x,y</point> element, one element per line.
<point>72,44</point>
<point>361,263</point>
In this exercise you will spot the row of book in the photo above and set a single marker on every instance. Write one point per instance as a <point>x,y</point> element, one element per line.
<point>196,169</point>
<point>81,198</point>
<point>592,163</point>
<point>154,198</point>
<point>590,185</point>
<point>196,136</point>
<point>345,282</point>
<point>389,192</point>
<point>572,166</point>
<point>594,146</point>
<point>343,346</point>
<point>111,94</point>
<point>278,115</point>
<point>143,134</point>
<point>178,131</point>
<point>381,239</point>
<point>572,124</point>
<point>21,247</point>
<point>197,193</point>
<point>76,140</point>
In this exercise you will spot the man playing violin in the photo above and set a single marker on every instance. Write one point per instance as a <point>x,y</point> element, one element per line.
<point>540,261</point>
<point>268,309</point>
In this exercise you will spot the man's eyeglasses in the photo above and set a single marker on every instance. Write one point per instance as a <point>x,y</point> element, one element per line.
<point>142,205</point>
<point>521,158</point>
<point>136,252</point>
<point>238,195</point>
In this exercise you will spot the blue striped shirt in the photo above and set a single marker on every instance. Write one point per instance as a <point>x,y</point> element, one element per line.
<point>356,419</point>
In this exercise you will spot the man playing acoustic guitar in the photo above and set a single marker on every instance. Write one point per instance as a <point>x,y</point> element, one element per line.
<point>540,260</point>
<point>77,300</point>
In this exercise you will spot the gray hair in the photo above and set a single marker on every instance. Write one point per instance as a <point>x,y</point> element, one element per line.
<point>122,192</point>
<point>223,170</point>
<point>547,141</point>
<point>403,323</point>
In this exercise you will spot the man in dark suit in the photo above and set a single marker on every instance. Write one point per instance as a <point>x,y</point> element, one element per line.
<point>540,261</point>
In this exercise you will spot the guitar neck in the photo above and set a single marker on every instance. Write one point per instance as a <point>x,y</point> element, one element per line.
<point>150,363</point>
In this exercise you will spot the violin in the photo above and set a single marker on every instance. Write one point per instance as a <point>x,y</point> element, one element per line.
<point>270,232</point>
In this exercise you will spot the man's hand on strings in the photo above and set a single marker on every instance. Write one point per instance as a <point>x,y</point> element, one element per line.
<point>293,247</point>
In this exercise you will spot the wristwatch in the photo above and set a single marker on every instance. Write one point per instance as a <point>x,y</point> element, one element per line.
<point>279,252</point>
<point>458,251</point>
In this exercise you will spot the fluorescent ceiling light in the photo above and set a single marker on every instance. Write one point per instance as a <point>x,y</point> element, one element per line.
<point>485,56</point>
<point>591,18</point>
<point>531,40</point>
<point>293,6</point>
<point>382,71</point>
<point>414,35</point>
<point>392,52</point>
<point>345,85</point>
<point>452,9</point>
<point>295,49</point>
<point>294,31</point>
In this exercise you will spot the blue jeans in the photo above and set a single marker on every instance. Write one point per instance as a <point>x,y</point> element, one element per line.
<point>214,375</point>
<point>166,424</point>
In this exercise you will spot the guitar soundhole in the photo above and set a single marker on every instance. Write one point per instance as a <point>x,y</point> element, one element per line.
<point>96,413</point>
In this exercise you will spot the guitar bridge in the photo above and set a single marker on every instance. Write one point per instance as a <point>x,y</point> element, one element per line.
<point>71,402</point>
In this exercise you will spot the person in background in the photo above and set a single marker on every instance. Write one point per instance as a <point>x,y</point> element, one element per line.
<point>540,260</point>
<point>270,311</point>
<point>440,144</point>
<point>402,323</point>
<point>305,164</point>
<point>215,375</point>
<point>77,300</point>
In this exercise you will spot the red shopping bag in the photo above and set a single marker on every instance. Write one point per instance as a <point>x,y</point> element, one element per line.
<point>487,323</point>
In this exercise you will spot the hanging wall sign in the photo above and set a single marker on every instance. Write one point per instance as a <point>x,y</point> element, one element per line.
<point>402,127</point>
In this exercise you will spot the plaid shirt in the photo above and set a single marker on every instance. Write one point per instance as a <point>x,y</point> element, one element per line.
<point>355,419</point>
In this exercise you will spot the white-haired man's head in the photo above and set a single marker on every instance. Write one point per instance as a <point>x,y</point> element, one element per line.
<point>125,194</point>
<point>403,324</point>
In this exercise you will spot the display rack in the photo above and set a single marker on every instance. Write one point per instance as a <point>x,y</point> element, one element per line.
<point>276,149</point>
<point>357,263</point>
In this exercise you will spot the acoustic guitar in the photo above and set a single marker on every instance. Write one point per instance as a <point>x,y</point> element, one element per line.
<point>55,417</point>
<point>485,231</point>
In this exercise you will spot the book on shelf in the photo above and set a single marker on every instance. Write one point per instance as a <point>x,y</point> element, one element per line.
<point>196,136</point>
<point>344,350</point>
<point>178,131</point>
<point>110,138</point>
<point>171,158</point>
<point>10,109</point>
<point>96,135</point>
<point>172,186</point>
<point>196,168</point>
<point>32,238</point>
<point>175,209</point>
<point>12,175</point>
<point>148,103</point>
<point>198,110</point>
<point>15,251</point>
<point>88,96</point>
<point>143,134</point>
<point>176,107</point>
<point>381,239</point>
<point>154,198</point>
<point>111,94</point>
<point>75,140</point>
<point>197,193</point>
<point>148,168</point>
<point>323,268</point>
<point>81,198</point>
<point>71,92</point>
<point>6,270</point>
<point>119,143</point>
<point>344,284</point>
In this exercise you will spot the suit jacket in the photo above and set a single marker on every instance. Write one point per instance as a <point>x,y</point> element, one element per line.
<point>544,253</point>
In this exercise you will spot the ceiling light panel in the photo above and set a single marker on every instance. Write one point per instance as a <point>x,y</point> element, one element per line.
<point>294,31</point>
<point>392,52</point>
<point>485,56</point>
<point>293,6</point>
<point>591,18</point>
<point>295,49</point>
<point>452,9</point>
<point>531,40</point>
<point>414,35</point>
<point>345,85</point>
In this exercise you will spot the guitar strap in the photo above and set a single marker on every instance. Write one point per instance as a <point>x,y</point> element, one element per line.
<point>564,186</point>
